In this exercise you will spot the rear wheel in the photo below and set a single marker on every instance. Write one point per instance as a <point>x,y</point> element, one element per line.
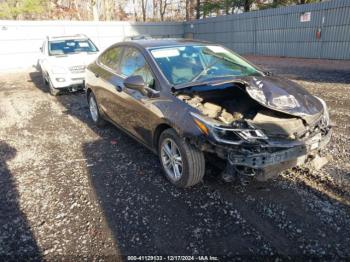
<point>94,111</point>
<point>183,164</point>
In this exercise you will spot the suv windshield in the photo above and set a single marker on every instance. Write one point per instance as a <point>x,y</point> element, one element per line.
<point>62,47</point>
<point>186,64</point>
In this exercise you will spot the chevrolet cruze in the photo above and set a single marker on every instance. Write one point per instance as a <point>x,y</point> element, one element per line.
<point>189,101</point>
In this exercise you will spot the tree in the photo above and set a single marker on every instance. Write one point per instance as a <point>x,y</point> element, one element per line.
<point>247,4</point>
<point>198,9</point>
<point>190,6</point>
<point>144,7</point>
<point>162,8</point>
<point>15,9</point>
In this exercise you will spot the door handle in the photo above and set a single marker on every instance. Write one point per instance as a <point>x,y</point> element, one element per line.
<point>119,88</point>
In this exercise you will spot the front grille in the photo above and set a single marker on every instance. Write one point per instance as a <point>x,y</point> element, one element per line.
<point>78,79</point>
<point>77,69</point>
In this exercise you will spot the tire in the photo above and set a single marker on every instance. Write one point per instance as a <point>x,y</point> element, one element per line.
<point>53,91</point>
<point>95,116</point>
<point>43,78</point>
<point>193,162</point>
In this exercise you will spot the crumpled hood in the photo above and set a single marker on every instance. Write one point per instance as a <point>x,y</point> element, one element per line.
<point>73,59</point>
<point>283,95</point>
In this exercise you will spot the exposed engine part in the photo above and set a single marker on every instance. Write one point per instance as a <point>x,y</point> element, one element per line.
<point>210,109</point>
<point>290,127</point>
<point>233,105</point>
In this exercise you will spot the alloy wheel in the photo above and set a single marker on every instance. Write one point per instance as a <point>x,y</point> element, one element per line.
<point>93,109</point>
<point>171,159</point>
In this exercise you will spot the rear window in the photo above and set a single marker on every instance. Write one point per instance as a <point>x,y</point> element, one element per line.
<point>62,47</point>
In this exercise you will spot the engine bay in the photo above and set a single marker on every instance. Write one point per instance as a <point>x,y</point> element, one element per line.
<point>231,104</point>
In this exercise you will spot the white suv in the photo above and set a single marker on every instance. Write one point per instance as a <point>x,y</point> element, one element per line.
<point>63,61</point>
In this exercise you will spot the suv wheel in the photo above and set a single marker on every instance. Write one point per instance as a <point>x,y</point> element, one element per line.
<point>94,111</point>
<point>183,164</point>
<point>53,91</point>
<point>44,81</point>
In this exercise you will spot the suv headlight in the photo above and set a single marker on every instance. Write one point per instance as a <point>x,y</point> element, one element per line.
<point>58,70</point>
<point>225,134</point>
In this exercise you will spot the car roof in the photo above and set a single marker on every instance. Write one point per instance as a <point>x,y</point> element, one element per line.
<point>149,43</point>
<point>67,37</point>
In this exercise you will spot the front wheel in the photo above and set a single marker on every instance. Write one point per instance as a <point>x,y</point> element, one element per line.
<point>183,163</point>
<point>43,78</point>
<point>94,111</point>
<point>53,91</point>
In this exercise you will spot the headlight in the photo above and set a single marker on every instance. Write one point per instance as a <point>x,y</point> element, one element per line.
<point>58,70</point>
<point>325,117</point>
<point>226,134</point>
<point>257,94</point>
<point>285,102</point>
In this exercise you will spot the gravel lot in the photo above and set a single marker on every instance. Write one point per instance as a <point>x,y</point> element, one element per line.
<point>70,191</point>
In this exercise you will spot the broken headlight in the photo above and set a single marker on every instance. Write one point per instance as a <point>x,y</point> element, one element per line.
<point>282,100</point>
<point>285,102</point>
<point>325,117</point>
<point>226,134</point>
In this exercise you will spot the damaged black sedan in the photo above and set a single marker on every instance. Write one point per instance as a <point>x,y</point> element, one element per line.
<point>189,101</point>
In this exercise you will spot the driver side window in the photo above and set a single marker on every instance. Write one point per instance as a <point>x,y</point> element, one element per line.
<point>134,63</point>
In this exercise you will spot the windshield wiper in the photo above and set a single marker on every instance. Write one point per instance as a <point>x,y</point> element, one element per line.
<point>219,57</point>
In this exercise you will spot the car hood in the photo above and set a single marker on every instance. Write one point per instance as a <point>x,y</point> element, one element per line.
<point>73,59</point>
<point>283,95</point>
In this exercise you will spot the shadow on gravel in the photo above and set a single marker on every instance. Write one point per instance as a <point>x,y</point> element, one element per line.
<point>149,216</point>
<point>16,239</point>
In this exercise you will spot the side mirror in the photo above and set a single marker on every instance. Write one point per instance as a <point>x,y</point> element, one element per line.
<point>136,83</point>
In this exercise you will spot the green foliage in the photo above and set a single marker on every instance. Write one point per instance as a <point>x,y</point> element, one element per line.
<point>280,3</point>
<point>209,6</point>
<point>12,9</point>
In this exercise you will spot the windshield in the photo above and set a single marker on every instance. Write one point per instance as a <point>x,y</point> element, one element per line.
<point>63,47</point>
<point>186,64</point>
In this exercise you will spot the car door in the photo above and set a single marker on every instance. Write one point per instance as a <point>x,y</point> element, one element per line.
<point>137,112</point>
<point>108,83</point>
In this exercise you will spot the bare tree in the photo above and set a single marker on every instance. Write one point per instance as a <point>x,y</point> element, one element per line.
<point>144,9</point>
<point>198,9</point>
<point>135,10</point>
<point>188,10</point>
<point>155,6</point>
<point>162,8</point>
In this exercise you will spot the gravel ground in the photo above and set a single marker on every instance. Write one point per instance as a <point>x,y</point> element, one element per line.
<point>70,191</point>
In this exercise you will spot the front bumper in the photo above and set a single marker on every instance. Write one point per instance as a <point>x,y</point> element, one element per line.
<point>61,81</point>
<point>262,160</point>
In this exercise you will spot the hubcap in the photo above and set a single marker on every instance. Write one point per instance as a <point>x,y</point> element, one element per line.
<point>171,159</point>
<point>93,109</point>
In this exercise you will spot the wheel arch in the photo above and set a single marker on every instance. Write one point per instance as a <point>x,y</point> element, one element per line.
<point>157,132</point>
<point>88,92</point>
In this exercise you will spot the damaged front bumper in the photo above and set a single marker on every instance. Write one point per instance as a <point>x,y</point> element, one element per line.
<point>261,160</point>
<point>269,162</point>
